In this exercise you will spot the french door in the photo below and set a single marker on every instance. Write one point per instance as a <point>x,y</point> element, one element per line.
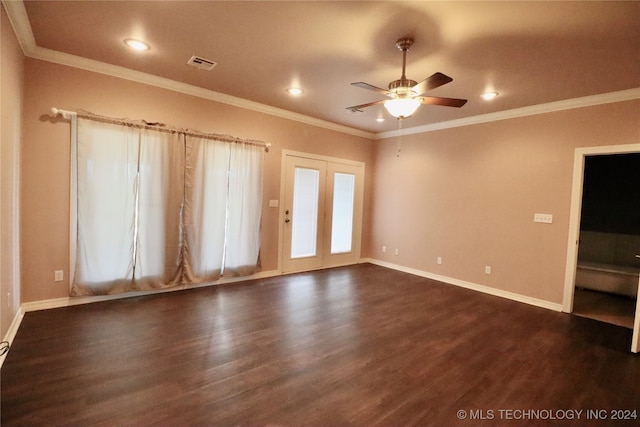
<point>321,212</point>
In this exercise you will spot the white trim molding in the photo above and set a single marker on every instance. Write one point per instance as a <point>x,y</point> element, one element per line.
<point>71,301</point>
<point>576,211</point>
<point>12,331</point>
<point>469,285</point>
<point>17,14</point>
<point>19,19</point>
<point>550,107</point>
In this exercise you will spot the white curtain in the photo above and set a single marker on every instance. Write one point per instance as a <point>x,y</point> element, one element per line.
<point>160,190</point>
<point>205,208</point>
<point>223,208</point>
<point>244,210</point>
<point>106,204</point>
<point>161,208</point>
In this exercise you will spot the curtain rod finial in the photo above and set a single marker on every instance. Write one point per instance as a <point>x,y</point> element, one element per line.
<point>58,112</point>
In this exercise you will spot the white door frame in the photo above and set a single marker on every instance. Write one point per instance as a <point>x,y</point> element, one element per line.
<point>281,215</point>
<point>635,339</point>
<point>574,219</point>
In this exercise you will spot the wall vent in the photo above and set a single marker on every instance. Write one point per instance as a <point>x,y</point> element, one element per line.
<point>203,64</point>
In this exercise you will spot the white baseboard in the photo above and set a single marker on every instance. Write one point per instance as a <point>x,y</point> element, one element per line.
<point>12,331</point>
<point>70,301</point>
<point>469,285</point>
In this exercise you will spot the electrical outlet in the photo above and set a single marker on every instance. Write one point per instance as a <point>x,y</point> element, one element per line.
<point>439,260</point>
<point>487,269</point>
<point>396,252</point>
<point>58,275</point>
<point>384,249</point>
<point>544,218</point>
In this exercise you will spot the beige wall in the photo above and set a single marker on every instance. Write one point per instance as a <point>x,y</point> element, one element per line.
<point>468,195</point>
<point>11,94</point>
<point>45,161</point>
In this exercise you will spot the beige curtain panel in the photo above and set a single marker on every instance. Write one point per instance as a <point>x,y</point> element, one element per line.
<point>158,208</point>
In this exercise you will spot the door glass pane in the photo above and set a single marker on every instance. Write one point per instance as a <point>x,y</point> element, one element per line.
<point>304,223</point>
<point>342,217</point>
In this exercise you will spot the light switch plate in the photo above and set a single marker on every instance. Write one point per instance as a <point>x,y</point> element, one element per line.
<point>273,203</point>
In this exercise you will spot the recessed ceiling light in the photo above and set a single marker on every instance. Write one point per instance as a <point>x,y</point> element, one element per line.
<point>488,96</point>
<point>380,119</point>
<point>137,44</point>
<point>295,91</point>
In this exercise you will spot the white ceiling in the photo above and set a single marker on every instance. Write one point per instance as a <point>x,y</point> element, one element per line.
<point>530,52</point>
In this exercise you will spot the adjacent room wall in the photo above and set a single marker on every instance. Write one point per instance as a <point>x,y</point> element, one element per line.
<point>45,156</point>
<point>11,94</point>
<point>469,194</point>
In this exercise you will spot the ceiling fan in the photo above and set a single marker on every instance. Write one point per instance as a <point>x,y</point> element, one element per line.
<point>406,95</point>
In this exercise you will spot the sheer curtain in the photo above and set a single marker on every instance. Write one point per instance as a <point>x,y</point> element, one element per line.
<point>244,210</point>
<point>223,208</point>
<point>161,208</point>
<point>130,184</point>
<point>106,204</point>
<point>159,201</point>
<point>205,208</point>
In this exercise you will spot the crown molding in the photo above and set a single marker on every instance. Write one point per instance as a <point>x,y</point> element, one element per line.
<point>176,86</point>
<point>20,22</point>
<point>17,14</point>
<point>567,104</point>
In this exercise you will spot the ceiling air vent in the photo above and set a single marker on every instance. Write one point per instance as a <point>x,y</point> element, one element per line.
<point>203,64</point>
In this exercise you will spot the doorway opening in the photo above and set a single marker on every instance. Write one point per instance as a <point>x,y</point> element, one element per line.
<point>603,257</point>
<point>607,270</point>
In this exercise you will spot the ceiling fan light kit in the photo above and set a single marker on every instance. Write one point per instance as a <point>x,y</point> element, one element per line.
<point>406,94</point>
<point>402,107</point>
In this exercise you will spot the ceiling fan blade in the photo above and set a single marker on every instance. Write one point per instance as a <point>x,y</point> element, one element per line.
<point>367,86</point>
<point>436,80</point>
<point>359,107</point>
<point>447,102</point>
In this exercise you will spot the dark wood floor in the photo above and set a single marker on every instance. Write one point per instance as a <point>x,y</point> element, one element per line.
<point>360,345</point>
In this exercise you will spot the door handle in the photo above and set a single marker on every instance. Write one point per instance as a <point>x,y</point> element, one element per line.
<point>637,256</point>
<point>287,220</point>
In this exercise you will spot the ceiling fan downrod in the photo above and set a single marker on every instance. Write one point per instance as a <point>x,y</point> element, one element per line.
<point>403,86</point>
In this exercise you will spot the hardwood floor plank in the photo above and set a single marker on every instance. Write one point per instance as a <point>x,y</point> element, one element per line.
<point>358,345</point>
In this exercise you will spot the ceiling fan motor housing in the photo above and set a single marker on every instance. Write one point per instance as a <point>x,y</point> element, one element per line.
<point>402,87</point>
<point>404,43</point>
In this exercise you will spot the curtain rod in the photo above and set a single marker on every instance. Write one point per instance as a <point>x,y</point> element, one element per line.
<point>66,114</point>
